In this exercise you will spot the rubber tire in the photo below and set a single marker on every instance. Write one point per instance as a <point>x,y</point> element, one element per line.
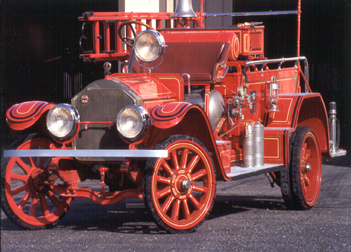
<point>5,205</point>
<point>293,188</point>
<point>147,185</point>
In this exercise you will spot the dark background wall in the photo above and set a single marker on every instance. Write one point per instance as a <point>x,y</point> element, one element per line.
<point>325,41</point>
<point>39,49</point>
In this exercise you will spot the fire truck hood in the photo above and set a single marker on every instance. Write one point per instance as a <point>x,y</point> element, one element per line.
<point>147,87</point>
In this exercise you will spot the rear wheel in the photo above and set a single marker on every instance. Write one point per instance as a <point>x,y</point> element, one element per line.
<point>301,184</point>
<point>179,190</point>
<point>26,197</point>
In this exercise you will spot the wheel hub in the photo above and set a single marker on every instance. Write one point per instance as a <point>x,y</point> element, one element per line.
<point>37,182</point>
<point>186,184</point>
<point>307,167</point>
<point>181,184</point>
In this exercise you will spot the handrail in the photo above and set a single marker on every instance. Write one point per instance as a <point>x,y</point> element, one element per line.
<point>241,14</point>
<point>281,61</point>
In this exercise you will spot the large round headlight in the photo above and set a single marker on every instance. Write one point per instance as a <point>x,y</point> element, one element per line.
<point>149,45</point>
<point>62,121</point>
<point>132,122</point>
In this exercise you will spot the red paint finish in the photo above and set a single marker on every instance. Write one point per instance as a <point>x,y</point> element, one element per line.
<point>200,130</point>
<point>22,116</point>
<point>97,197</point>
<point>115,52</point>
<point>154,88</point>
<point>148,88</point>
<point>224,148</point>
<point>182,95</point>
<point>274,147</point>
<point>312,113</point>
<point>310,180</point>
<point>243,40</point>
<point>26,192</point>
<point>205,35</point>
<point>168,115</point>
<point>174,204</point>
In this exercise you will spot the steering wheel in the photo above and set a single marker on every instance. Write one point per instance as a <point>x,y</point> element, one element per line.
<point>127,40</point>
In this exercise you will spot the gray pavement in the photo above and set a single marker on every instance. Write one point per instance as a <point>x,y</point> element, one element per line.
<point>248,215</point>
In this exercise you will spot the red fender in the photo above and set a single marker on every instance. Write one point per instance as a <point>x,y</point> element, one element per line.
<point>189,119</point>
<point>312,112</point>
<point>302,109</point>
<point>170,114</point>
<point>23,115</point>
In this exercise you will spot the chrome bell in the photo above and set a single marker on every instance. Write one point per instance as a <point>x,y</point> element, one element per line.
<point>184,9</point>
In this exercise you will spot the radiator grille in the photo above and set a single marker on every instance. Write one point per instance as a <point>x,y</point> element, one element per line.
<point>105,99</point>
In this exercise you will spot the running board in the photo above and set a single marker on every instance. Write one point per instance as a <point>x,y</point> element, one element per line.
<point>240,172</point>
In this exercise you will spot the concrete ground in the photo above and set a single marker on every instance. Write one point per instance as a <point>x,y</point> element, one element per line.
<point>248,215</point>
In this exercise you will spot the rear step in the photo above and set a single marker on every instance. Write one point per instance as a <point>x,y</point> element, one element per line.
<point>240,172</point>
<point>338,153</point>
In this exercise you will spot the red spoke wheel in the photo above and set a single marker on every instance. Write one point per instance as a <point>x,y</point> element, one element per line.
<point>26,197</point>
<point>305,171</point>
<point>179,190</point>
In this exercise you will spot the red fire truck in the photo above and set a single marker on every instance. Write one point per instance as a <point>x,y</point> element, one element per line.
<point>190,106</point>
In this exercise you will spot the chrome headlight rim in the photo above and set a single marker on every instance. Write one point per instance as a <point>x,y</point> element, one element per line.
<point>144,120</point>
<point>75,119</point>
<point>161,45</point>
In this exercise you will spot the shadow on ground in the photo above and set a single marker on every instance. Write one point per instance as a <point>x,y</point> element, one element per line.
<point>344,161</point>
<point>86,215</point>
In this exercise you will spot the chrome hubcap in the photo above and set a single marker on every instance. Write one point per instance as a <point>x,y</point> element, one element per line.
<point>186,184</point>
<point>307,168</point>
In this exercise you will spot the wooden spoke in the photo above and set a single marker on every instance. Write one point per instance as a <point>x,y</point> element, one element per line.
<point>40,162</point>
<point>31,162</point>
<point>53,199</point>
<point>44,206</point>
<point>302,185</point>
<point>306,181</point>
<point>200,189</point>
<point>167,168</point>
<point>163,180</point>
<point>33,207</point>
<point>20,197</point>
<point>24,167</point>
<point>18,177</point>
<point>18,189</point>
<point>168,203</point>
<point>199,174</point>
<point>307,154</point>
<point>193,163</point>
<point>185,208</point>
<point>169,185</point>
<point>24,201</point>
<point>194,201</point>
<point>174,158</point>
<point>175,210</point>
<point>165,191</point>
<point>184,158</point>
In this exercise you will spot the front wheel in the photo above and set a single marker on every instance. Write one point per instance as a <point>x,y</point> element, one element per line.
<point>301,184</point>
<point>26,197</point>
<point>179,190</point>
